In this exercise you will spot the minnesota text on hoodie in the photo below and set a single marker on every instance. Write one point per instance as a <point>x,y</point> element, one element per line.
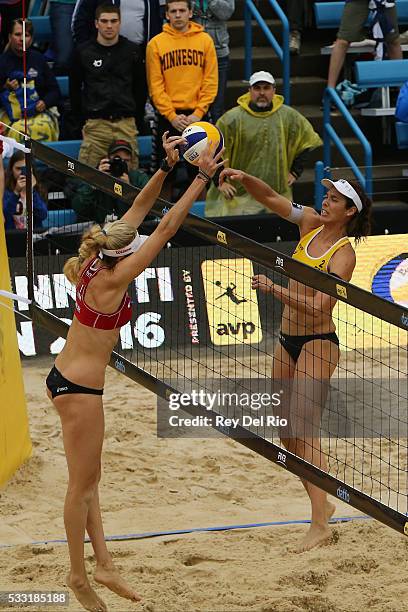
<point>182,71</point>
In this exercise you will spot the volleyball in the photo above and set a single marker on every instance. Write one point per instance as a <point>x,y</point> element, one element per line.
<point>197,135</point>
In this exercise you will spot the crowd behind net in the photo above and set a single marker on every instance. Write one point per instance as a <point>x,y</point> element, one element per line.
<point>197,324</point>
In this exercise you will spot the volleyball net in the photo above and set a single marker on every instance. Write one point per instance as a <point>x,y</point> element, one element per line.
<point>208,345</point>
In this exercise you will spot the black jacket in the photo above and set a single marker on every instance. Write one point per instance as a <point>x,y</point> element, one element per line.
<point>83,21</point>
<point>107,82</point>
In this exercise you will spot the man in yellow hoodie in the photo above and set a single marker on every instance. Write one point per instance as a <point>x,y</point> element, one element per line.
<point>182,70</point>
<point>263,137</point>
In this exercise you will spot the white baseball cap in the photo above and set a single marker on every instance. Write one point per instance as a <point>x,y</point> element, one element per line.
<point>345,189</point>
<point>261,76</point>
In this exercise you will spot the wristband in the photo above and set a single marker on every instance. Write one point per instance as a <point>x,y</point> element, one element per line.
<point>203,176</point>
<point>165,166</point>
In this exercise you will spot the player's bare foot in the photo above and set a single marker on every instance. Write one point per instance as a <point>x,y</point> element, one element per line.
<point>85,594</point>
<point>110,577</point>
<point>316,536</point>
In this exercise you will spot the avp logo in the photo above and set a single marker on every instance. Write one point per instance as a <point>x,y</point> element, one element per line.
<point>70,166</point>
<point>97,63</point>
<point>281,459</point>
<point>279,262</point>
<point>404,320</point>
<point>341,291</point>
<point>221,237</point>
<point>117,189</point>
<point>232,307</point>
<point>119,365</point>
<point>343,494</point>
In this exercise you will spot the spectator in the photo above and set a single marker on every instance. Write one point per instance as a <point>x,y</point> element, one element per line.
<point>182,71</point>
<point>141,19</point>
<point>93,205</point>
<point>43,93</point>
<point>9,10</point>
<point>352,30</point>
<point>296,15</point>
<point>213,16</point>
<point>105,88</point>
<point>14,199</point>
<point>62,43</point>
<point>263,137</point>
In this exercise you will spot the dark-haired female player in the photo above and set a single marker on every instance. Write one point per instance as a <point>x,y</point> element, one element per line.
<point>109,259</point>
<point>308,349</point>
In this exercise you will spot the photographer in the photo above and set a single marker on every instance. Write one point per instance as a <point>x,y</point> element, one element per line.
<point>14,199</point>
<point>91,204</point>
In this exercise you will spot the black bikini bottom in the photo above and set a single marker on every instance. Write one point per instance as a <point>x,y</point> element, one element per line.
<point>294,344</point>
<point>58,385</point>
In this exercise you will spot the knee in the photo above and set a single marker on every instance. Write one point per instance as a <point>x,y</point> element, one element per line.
<point>342,44</point>
<point>85,488</point>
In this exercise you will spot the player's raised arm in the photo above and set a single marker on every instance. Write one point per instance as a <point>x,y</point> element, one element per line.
<point>145,200</point>
<point>263,193</point>
<point>132,266</point>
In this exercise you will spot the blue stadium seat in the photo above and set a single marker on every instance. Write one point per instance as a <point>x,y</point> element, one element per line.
<point>67,147</point>
<point>42,28</point>
<point>71,148</point>
<point>63,83</point>
<point>388,73</point>
<point>58,218</point>
<point>328,14</point>
<point>145,149</point>
<point>401,130</point>
<point>198,209</point>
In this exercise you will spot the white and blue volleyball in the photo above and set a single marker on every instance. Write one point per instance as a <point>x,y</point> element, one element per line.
<point>197,135</point>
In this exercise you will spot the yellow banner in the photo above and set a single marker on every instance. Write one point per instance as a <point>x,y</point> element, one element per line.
<point>382,269</point>
<point>15,443</point>
<point>232,306</point>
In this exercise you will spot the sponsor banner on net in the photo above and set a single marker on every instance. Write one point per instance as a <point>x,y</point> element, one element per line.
<point>232,306</point>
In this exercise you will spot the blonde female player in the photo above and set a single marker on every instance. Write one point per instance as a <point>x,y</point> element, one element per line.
<point>75,383</point>
<point>308,350</point>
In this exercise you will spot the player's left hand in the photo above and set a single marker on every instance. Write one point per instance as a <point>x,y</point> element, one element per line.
<point>170,145</point>
<point>262,282</point>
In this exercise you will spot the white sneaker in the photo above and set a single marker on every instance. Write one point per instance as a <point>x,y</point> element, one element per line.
<point>294,42</point>
<point>404,38</point>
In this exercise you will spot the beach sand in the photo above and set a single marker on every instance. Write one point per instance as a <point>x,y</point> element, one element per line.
<point>152,484</point>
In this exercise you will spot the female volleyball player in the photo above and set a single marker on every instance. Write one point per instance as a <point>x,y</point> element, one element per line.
<point>308,351</point>
<point>109,259</point>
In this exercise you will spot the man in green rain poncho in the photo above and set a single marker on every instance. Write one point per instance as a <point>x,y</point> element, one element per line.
<point>263,137</point>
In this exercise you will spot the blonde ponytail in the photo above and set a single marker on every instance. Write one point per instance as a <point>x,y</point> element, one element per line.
<point>115,235</point>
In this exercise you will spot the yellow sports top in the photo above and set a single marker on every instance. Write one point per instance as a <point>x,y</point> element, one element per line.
<point>322,261</point>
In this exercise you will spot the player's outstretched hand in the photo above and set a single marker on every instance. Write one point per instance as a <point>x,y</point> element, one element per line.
<point>208,163</point>
<point>170,144</point>
<point>231,173</point>
<point>262,282</point>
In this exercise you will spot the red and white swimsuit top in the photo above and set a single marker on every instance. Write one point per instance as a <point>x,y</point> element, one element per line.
<point>93,318</point>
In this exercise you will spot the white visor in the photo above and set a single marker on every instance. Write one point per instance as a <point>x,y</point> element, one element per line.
<point>127,250</point>
<point>345,189</point>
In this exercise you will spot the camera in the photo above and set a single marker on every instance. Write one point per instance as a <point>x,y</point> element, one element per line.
<point>23,170</point>
<point>118,166</point>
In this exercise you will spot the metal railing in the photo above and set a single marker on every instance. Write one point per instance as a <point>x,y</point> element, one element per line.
<point>251,12</point>
<point>330,135</point>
